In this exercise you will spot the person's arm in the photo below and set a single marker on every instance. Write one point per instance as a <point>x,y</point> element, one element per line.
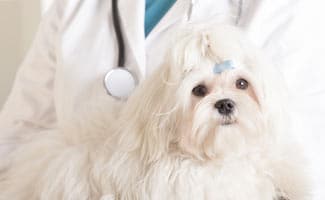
<point>30,105</point>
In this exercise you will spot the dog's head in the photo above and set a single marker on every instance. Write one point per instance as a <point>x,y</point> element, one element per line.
<point>214,96</point>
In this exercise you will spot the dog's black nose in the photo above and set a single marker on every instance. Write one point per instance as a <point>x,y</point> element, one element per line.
<point>225,106</point>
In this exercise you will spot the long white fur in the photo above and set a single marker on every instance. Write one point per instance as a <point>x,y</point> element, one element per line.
<point>167,144</point>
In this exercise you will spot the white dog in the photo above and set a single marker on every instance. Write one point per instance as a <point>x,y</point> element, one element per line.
<point>210,124</point>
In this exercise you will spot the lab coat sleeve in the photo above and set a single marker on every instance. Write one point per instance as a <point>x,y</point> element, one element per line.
<point>30,105</point>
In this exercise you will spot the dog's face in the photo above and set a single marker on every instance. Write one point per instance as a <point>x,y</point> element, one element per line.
<point>189,108</point>
<point>221,112</point>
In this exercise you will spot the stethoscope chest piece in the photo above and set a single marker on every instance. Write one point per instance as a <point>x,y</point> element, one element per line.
<point>120,83</point>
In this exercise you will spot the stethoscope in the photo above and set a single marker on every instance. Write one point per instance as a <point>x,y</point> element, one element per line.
<point>119,82</point>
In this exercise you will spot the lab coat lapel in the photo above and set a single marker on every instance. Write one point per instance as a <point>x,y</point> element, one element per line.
<point>132,20</point>
<point>177,12</point>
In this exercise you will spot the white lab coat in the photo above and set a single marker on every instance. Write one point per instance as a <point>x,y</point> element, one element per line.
<point>62,75</point>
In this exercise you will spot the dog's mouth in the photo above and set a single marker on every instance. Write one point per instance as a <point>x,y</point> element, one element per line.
<point>228,120</point>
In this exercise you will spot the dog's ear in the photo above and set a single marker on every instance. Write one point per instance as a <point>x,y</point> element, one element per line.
<point>270,89</point>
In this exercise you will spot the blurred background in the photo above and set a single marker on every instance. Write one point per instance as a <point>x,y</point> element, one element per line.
<point>19,20</point>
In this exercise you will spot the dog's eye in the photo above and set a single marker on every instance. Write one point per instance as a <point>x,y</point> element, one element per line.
<point>241,84</point>
<point>200,91</point>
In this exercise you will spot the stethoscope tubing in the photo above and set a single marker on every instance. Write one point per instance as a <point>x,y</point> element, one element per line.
<point>119,82</point>
<point>118,33</point>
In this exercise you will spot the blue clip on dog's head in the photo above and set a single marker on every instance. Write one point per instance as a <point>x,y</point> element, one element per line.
<point>225,65</point>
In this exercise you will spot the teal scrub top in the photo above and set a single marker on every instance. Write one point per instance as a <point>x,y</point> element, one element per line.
<point>155,11</point>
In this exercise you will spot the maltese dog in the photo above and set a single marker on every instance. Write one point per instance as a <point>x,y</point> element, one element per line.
<point>209,124</point>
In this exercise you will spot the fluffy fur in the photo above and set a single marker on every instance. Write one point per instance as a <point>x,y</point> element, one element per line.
<point>167,143</point>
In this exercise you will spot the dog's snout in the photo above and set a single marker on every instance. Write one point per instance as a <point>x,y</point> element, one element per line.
<point>225,106</point>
